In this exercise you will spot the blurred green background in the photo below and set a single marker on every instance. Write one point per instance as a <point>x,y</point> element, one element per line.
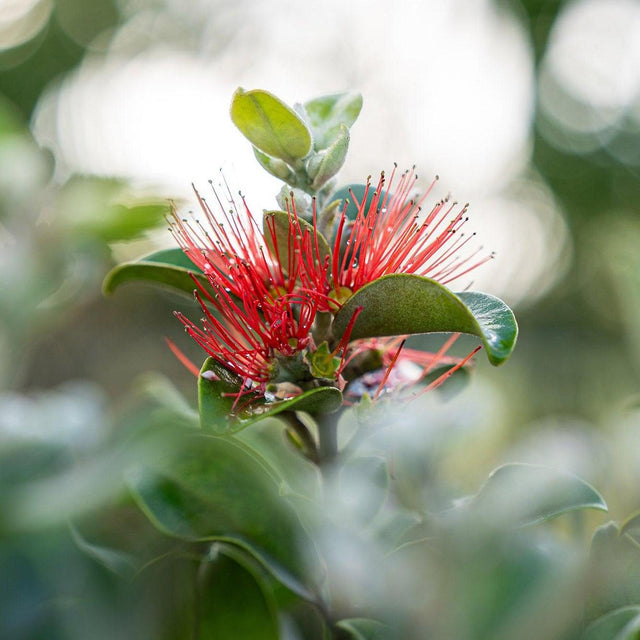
<point>529,109</point>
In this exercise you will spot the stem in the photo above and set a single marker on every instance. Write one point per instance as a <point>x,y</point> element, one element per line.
<point>327,439</point>
<point>310,448</point>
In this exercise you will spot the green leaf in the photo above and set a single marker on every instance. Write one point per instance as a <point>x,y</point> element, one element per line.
<point>169,268</point>
<point>327,114</point>
<point>279,223</point>
<point>233,601</point>
<point>400,304</point>
<point>615,566</point>
<point>275,167</point>
<point>621,624</point>
<point>216,407</point>
<point>116,561</point>
<point>270,125</point>
<point>631,527</point>
<point>527,494</point>
<point>201,487</point>
<point>365,629</point>
<point>325,164</point>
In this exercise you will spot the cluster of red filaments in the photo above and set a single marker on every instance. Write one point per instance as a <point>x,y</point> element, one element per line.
<point>264,310</point>
<point>391,234</point>
<point>263,303</point>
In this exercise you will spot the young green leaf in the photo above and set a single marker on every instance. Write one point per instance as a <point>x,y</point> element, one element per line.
<point>270,125</point>
<point>400,304</point>
<point>327,114</point>
<point>325,164</point>
<point>277,168</point>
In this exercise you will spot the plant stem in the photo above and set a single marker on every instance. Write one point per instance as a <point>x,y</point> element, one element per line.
<point>327,439</point>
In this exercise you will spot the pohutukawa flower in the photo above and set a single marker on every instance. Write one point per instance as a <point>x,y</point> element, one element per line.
<point>265,313</point>
<point>391,234</point>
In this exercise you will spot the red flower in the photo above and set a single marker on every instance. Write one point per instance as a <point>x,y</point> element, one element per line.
<point>265,313</point>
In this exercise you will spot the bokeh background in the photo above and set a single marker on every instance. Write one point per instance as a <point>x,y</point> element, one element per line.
<point>528,109</point>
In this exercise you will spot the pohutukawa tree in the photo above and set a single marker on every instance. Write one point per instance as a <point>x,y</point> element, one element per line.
<point>308,311</point>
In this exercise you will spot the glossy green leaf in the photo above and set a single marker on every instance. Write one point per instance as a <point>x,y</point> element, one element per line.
<point>620,624</point>
<point>233,601</point>
<point>168,268</point>
<point>270,125</point>
<point>400,304</point>
<point>278,222</point>
<point>327,113</point>
<point>325,164</point>
<point>216,405</point>
<point>200,487</point>
<point>365,629</point>
<point>527,494</point>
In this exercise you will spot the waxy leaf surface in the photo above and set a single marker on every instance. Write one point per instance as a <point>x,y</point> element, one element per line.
<point>216,405</point>
<point>528,493</point>
<point>270,125</point>
<point>400,304</point>
<point>200,487</point>
<point>169,268</point>
<point>233,602</point>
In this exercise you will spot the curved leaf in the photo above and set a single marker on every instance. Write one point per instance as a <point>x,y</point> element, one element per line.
<point>250,614</point>
<point>365,629</point>
<point>620,624</point>
<point>279,222</point>
<point>528,493</point>
<point>201,487</point>
<point>328,113</point>
<point>270,125</point>
<point>325,164</point>
<point>216,397</point>
<point>631,527</point>
<point>400,304</point>
<point>169,268</point>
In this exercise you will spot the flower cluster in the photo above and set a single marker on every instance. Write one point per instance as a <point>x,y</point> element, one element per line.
<point>267,315</point>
